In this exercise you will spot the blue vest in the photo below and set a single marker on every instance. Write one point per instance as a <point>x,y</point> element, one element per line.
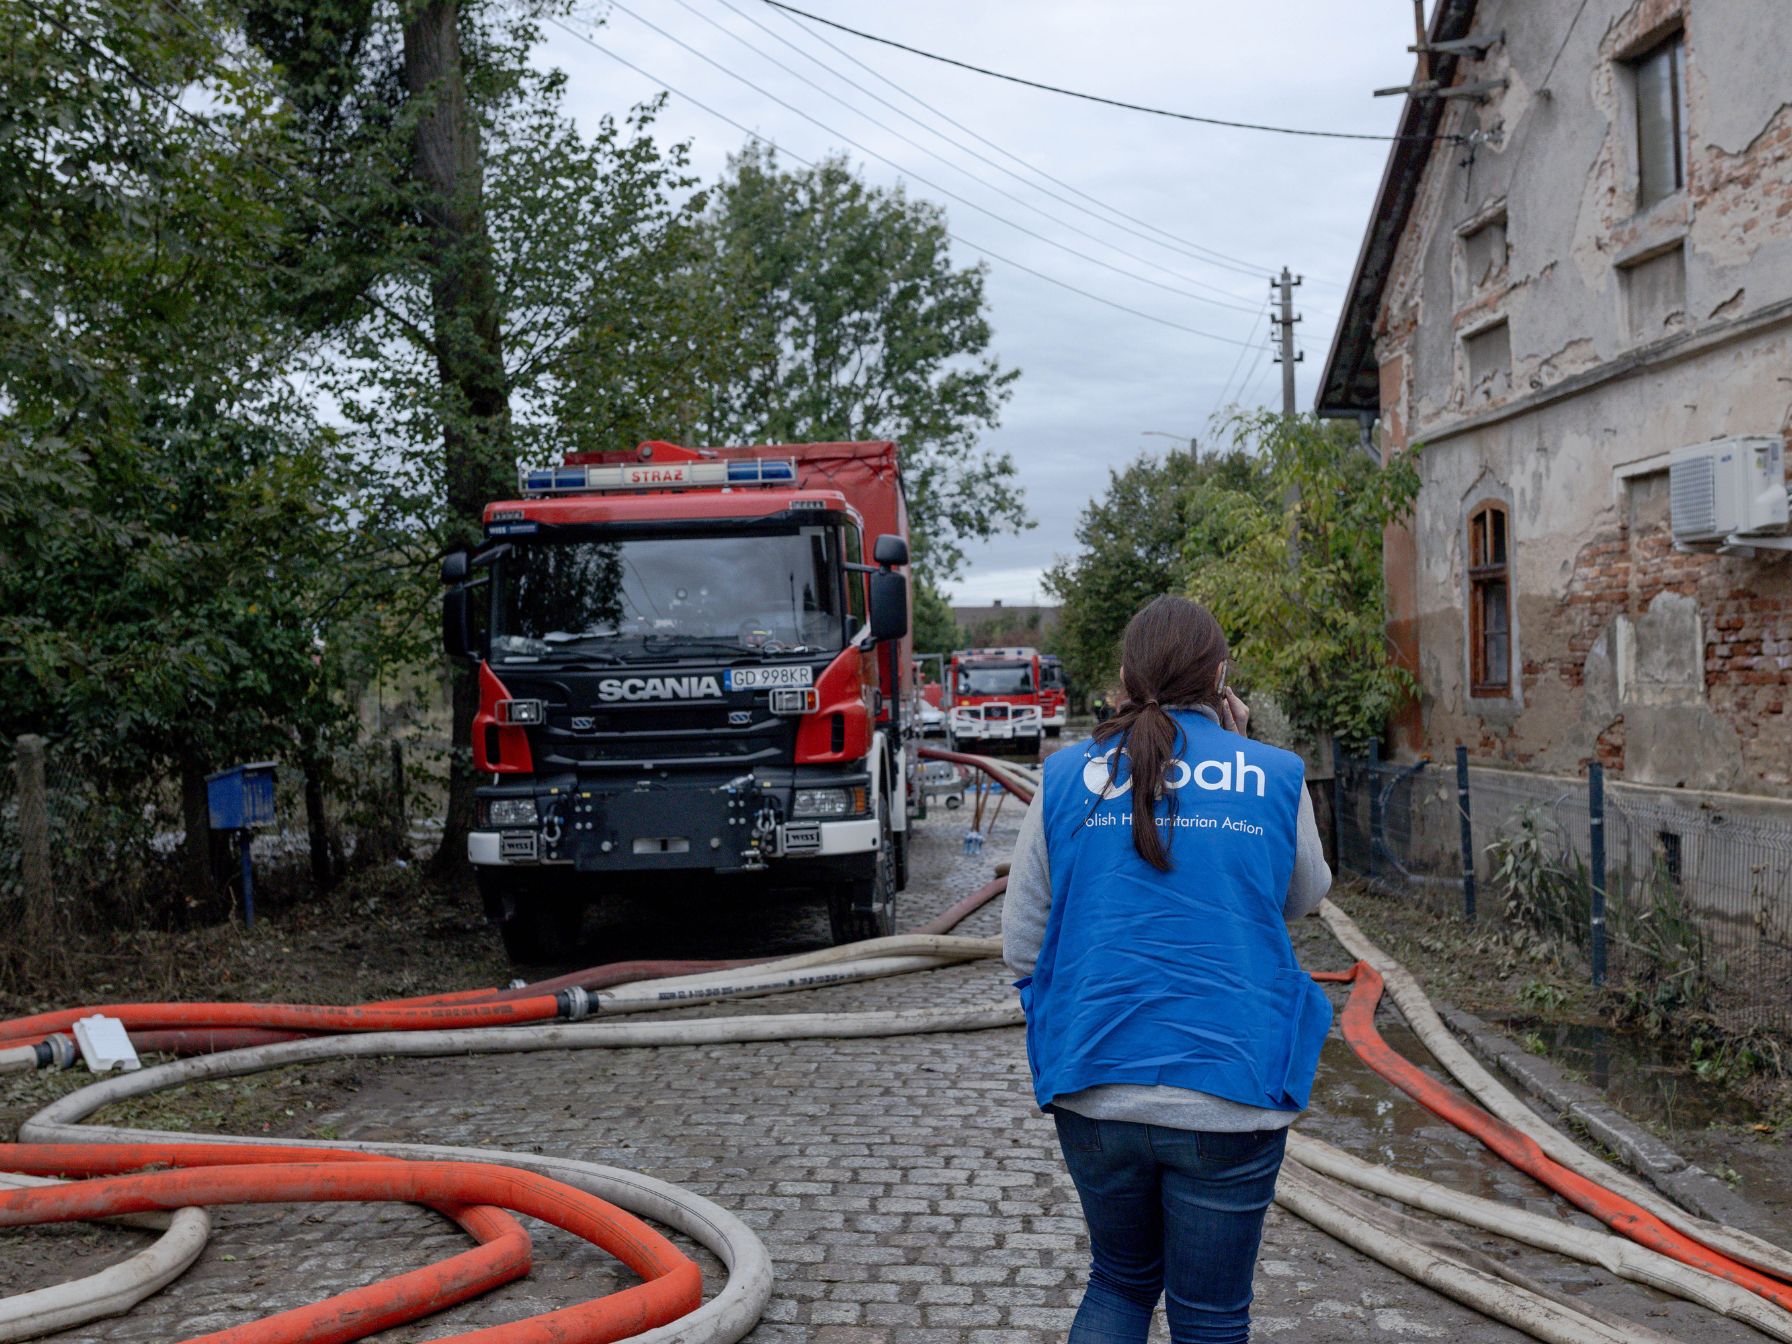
<point>1185,978</point>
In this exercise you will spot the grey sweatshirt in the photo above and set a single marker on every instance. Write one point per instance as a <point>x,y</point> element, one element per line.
<point>1024,911</point>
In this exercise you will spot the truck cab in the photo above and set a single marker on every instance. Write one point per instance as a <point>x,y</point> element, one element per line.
<point>995,701</point>
<point>687,666</point>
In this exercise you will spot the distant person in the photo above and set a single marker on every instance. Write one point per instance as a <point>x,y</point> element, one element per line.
<point>1172,1035</point>
<point>1103,710</point>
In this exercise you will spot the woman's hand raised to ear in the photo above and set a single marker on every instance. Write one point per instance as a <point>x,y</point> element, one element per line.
<point>1234,715</point>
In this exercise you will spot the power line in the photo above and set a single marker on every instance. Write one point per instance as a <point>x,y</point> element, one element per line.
<point>934,154</point>
<point>1236,363</point>
<point>1256,386</point>
<point>1097,98</point>
<point>810,163</point>
<point>1187,247</point>
<point>891,163</point>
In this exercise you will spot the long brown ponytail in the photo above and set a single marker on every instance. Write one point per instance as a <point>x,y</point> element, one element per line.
<point>1170,657</point>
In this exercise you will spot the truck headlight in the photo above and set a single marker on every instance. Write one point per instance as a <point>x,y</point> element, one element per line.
<point>828,802</point>
<point>510,812</point>
<point>520,711</point>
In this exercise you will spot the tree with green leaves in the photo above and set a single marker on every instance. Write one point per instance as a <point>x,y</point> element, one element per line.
<point>491,284</point>
<point>1135,541</point>
<point>935,629</point>
<point>171,508</point>
<point>852,322</point>
<point>1310,633</point>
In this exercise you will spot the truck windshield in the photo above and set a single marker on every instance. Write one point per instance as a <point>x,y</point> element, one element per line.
<point>995,679</point>
<point>636,597</point>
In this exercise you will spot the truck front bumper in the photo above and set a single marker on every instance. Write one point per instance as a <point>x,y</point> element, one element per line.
<point>739,824</point>
<point>796,840</point>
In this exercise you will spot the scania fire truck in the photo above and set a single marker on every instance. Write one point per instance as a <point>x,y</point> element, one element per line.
<point>1054,694</point>
<point>995,702</point>
<point>688,668</point>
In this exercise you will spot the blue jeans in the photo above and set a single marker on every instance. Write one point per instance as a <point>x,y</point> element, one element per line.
<point>1169,1209</point>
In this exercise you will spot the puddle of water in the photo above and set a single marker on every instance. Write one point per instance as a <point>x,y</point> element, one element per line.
<point>1363,1113</point>
<point>1639,1076</point>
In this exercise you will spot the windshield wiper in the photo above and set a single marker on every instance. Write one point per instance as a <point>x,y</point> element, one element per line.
<point>695,642</point>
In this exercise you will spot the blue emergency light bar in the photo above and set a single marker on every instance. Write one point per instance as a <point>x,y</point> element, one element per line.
<point>656,476</point>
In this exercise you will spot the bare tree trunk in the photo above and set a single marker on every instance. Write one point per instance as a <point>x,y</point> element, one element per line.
<point>469,347</point>
<point>198,858</point>
<point>317,830</point>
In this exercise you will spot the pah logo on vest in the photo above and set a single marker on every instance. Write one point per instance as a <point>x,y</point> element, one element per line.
<point>1211,775</point>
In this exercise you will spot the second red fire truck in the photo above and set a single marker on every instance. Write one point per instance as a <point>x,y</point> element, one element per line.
<point>995,701</point>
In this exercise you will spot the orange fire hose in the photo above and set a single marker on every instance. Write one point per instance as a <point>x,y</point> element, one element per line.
<point>305,1017</point>
<point>1616,1212</point>
<point>204,1174</point>
<point>504,1252</point>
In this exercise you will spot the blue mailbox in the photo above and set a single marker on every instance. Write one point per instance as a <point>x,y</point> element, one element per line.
<point>240,799</point>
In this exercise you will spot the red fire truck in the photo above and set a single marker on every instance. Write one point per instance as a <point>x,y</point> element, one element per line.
<point>687,667</point>
<point>995,701</point>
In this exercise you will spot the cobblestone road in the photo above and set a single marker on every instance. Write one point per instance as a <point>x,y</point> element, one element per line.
<point>908,1189</point>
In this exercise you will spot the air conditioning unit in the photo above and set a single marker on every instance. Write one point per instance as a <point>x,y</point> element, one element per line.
<point>1729,493</point>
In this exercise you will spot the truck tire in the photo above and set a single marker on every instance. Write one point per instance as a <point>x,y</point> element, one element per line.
<point>1029,747</point>
<point>866,907</point>
<point>1055,730</point>
<point>900,843</point>
<point>538,921</point>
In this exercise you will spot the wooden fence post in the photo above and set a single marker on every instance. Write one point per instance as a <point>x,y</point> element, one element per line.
<point>401,821</point>
<point>39,914</point>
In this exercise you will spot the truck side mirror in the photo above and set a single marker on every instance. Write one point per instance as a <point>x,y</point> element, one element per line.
<point>889,601</point>
<point>457,622</point>
<point>890,549</point>
<point>456,565</point>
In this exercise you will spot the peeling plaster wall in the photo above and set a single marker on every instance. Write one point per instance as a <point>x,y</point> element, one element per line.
<point>1673,669</point>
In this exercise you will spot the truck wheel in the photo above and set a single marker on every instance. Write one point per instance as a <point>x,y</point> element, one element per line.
<point>900,845</point>
<point>1056,730</point>
<point>538,923</point>
<point>866,908</point>
<point>1029,748</point>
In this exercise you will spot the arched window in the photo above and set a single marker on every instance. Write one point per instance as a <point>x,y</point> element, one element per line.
<point>1489,602</point>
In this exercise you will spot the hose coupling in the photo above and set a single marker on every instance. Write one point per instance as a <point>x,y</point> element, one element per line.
<point>56,1052</point>
<point>573,1003</point>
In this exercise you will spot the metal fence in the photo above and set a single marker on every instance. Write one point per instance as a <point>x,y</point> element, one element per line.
<point>1676,902</point>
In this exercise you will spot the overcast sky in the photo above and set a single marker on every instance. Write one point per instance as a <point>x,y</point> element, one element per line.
<point>1093,378</point>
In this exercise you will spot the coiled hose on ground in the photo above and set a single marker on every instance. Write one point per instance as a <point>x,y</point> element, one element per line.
<point>1695,1259</point>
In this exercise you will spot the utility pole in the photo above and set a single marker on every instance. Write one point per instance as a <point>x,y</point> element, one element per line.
<point>1287,359</point>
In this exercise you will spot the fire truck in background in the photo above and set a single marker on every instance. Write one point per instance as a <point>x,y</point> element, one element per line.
<point>995,701</point>
<point>1054,694</point>
<point>687,667</point>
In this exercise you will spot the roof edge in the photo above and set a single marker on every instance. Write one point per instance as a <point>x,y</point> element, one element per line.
<point>1350,383</point>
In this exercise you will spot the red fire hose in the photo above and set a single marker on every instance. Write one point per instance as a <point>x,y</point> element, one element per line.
<point>1616,1212</point>
<point>310,1017</point>
<point>204,1174</point>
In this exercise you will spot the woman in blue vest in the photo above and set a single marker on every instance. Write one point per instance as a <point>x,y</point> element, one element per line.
<point>1171,1033</point>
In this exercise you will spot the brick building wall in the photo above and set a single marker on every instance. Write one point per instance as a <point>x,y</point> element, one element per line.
<point>1549,334</point>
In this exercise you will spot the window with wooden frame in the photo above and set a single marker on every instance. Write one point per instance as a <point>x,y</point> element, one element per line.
<point>1489,602</point>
